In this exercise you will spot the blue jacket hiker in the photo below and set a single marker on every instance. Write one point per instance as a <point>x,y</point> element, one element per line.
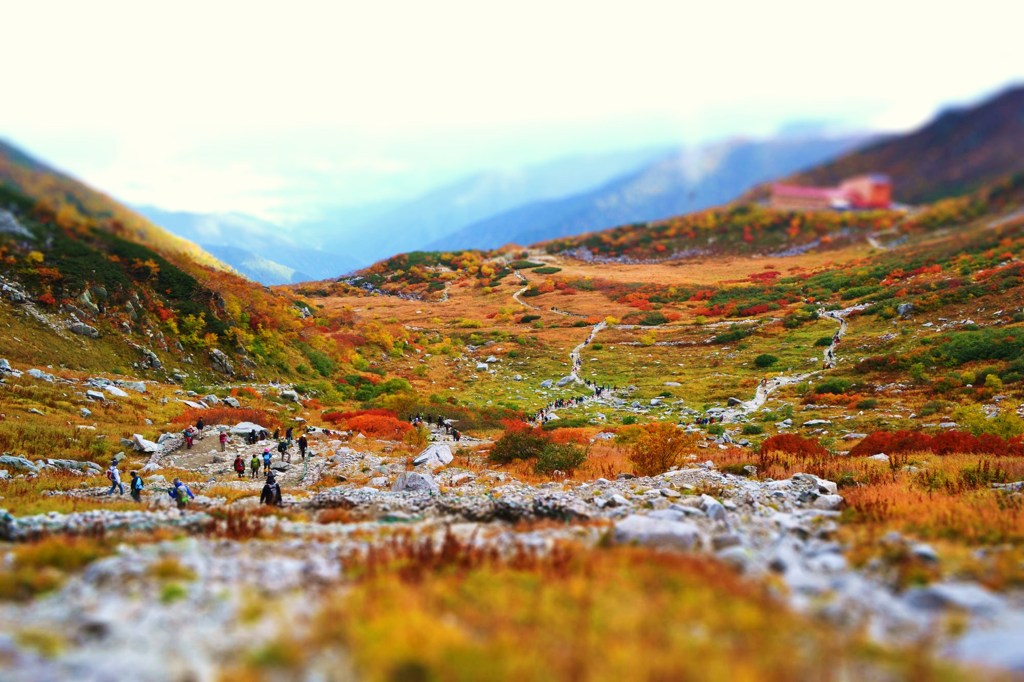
<point>136,486</point>
<point>181,493</point>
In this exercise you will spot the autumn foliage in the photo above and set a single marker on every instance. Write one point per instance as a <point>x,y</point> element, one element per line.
<point>659,447</point>
<point>792,444</point>
<point>945,443</point>
<point>228,415</point>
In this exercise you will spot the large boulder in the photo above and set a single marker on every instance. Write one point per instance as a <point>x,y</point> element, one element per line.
<point>243,428</point>
<point>116,392</point>
<point>89,468</point>
<point>564,381</point>
<point>291,395</point>
<point>95,395</point>
<point>232,402</point>
<point>435,456</point>
<point>220,361</point>
<point>143,445</point>
<point>644,530</point>
<point>82,329</point>
<point>21,463</point>
<point>41,375</point>
<point>414,481</point>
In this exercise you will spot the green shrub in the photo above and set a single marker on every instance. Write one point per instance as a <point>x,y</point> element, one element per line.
<point>565,457</point>
<point>765,360</point>
<point>833,386</point>
<point>824,341</point>
<point>515,445</point>
<point>752,429</point>
<point>547,270</point>
<point>867,404</point>
<point>629,419</point>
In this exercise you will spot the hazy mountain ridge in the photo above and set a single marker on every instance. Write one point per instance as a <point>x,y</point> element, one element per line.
<point>683,181</point>
<point>960,150</point>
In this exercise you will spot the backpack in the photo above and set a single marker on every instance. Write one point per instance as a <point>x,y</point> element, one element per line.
<point>137,483</point>
<point>110,475</point>
<point>181,495</point>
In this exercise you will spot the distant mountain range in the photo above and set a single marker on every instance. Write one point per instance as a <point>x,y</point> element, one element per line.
<point>682,181</point>
<point>959,151</point>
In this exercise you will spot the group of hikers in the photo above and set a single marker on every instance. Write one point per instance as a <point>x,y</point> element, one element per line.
<point>179,490</point>
<point>441,423</point>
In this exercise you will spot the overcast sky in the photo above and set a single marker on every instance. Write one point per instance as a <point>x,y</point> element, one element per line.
<point>275,108</point>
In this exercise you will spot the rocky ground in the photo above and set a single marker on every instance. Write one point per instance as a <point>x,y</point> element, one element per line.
<point>111,617</point>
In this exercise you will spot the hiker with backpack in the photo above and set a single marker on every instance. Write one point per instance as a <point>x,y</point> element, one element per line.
<point>303,444</point>
<point>181,493</point>
<point>189,436</point>
<point>282,448</point>
<point>254,464</point>
<point>271,493</point>
<point>239,466</point>
<point>136,486</point>
<point>266,461</point>
<point>223,438</point>
<point>114,476</point>
<point>200,425</point>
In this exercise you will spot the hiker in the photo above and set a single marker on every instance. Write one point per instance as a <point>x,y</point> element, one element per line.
<point>277,434</point>
<point>271,493</point>
<point>239,466</point>
<point>136,486</point>
<point>223,438</point>
<point>188,437</point>
<point>303,444</point>
<point>252,437</point>
<point>114,476</point>
<point>288,434</point>
<point>181,493</point>
<point>456,435</point>
<point>254,464</point>
<point>200,425</point>
<point>266,461</point>
<point>282,448</point>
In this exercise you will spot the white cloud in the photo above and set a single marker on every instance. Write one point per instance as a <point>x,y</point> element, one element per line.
<point>210,103</point>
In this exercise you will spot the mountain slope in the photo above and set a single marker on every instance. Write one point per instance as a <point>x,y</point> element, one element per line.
<point>961,150</point>
<point>260,250</point>
<point>681,182</point>
<point>75,202</point>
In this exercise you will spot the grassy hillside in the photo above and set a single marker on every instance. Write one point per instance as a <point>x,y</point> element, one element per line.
<point>957,153</point>
<point>74,203</point>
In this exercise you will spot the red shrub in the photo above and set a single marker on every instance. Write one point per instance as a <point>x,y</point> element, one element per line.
<point>379,426</point>
<point>945,443</point>
<point>338,417</point>
<point>792,444</point>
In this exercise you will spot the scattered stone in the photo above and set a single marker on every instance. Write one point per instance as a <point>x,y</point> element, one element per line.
<point>290,395</point>
<point>143,445</point>
<point>435,456</point>
<point>880,457</point>
<point>41,375</point>
<point>414,481</point>
<point>644,530</point>
<point>828,502</point>
<point>20,463</point>
<point>85,412</point>
<point>712,507</point>
<point>965,596</point>
<point>232,402</point>
<point>547,383</point>
<point>95,395</point>
<point>220,361</point>
<point>564,381</point>
<point>116,392</point>
<point>82,329</point>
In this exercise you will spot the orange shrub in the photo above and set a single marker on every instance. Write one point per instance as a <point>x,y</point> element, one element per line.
<point>379,426</point>
<point>580,436</point>
<point>339,417</point>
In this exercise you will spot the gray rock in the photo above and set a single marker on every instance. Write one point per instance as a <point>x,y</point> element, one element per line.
<point>564,381</point>
<point>828,502</point>
<point>855,436</point>
<point>712,507</point>
<point>414,481</point>
<point>211,399</point>
<point>925,553</point>
<point>547,383</point>
<point>435,456</point>
<point>143,445</point>
<point>965,596</point>
<point>880,457</point>
<point>9,225</point>
<point>292,396</point>
<point>905,309</point>
<point>280,466</point>
<point>136,386</point>
<point>817,422</point>
<point>116,392</point>
<point>724,540</point>
<point>20,463</point>
<point>243,428</point>
<point>75,465</point>
<point>232,402</point>
<point>652,532</point>
<point>220,361</point>
<point>82,329</point>
<point>95,395</point>
<point>5,366</point>
<point>41,375</point>
<point>85,412</point>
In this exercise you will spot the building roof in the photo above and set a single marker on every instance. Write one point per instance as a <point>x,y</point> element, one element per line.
<point>803,192</point>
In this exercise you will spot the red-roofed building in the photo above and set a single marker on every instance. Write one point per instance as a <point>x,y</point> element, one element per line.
<point>860,192</point>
